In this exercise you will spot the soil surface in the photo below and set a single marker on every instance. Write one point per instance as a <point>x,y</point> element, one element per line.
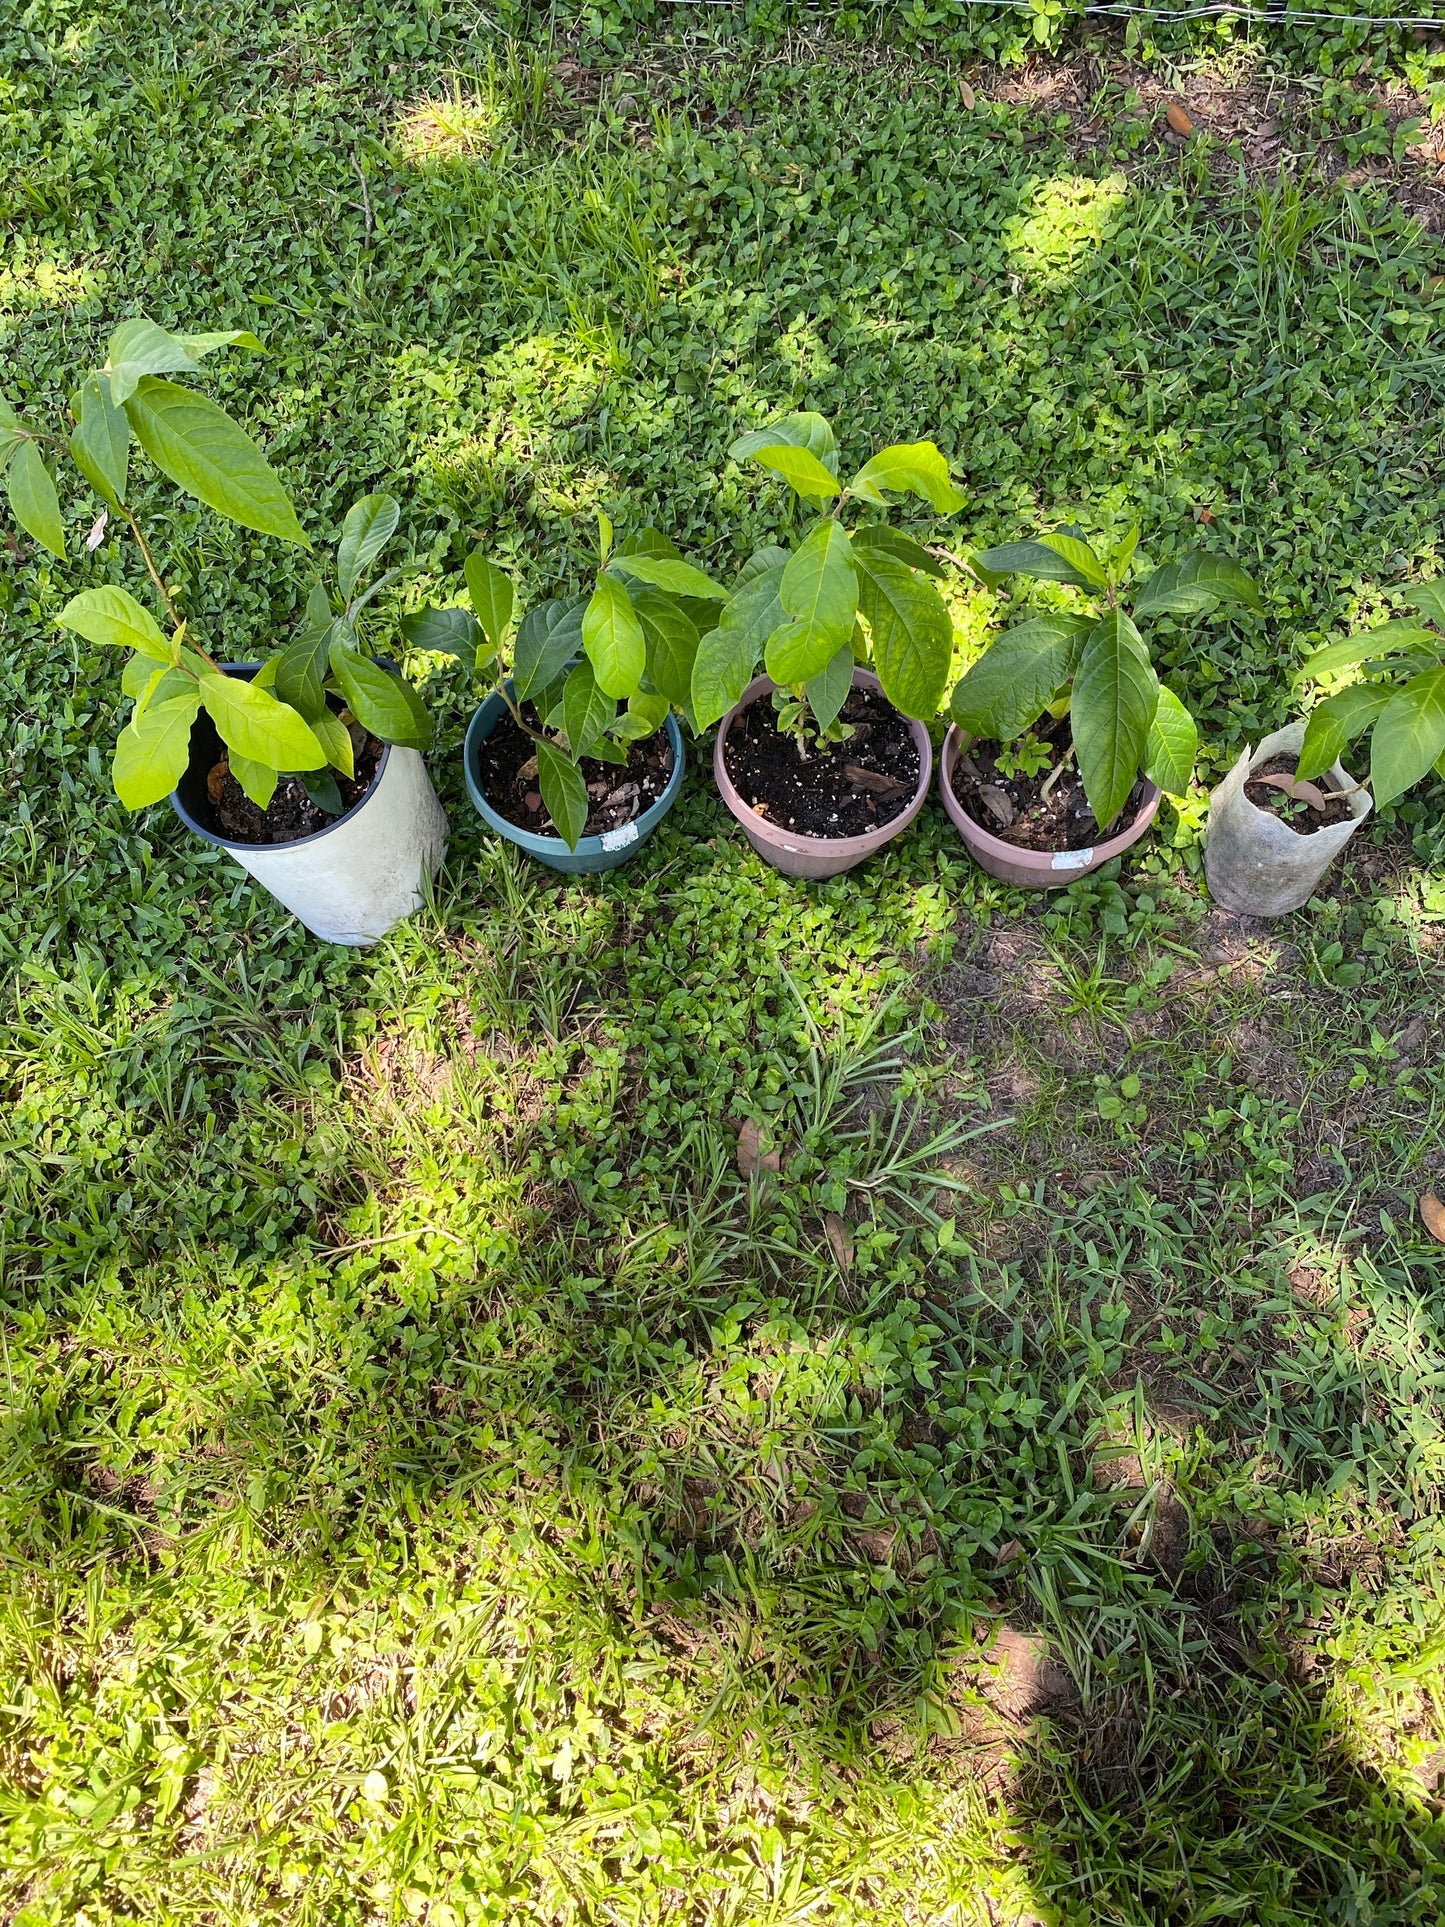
<point>618,792</point>
<point>1314,807</point>
<point>1015,808</point>
<point>291,813</point>
<point>840,789</point>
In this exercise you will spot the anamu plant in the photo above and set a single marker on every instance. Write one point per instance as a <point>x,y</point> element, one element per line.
<point>1399,698</point>
<point>1093,665</point>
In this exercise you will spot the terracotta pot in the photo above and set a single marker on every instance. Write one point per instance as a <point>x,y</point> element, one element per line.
<point>1034,869</point>
<point>815,856</point>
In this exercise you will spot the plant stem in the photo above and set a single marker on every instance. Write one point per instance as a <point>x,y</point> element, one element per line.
<point>1055,774</point>
<point>537,735</point>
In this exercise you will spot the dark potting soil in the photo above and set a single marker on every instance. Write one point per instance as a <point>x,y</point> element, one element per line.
<point>618,792</point>
<point>1313,806</point>
<point>1016,809</point>
<point>292,813</point>
<point>839,789</point>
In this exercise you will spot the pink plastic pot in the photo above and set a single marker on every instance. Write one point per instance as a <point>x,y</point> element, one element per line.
<point>815,856</point>
<point>1034,869</point>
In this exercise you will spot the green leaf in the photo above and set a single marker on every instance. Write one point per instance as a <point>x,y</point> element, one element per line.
<point>143,347</point>
<point>161,684</point>
<point>613,639</point>
<point>646,714</point>
<point>1077,553</point>
<point>548,637</point>
<point>1172,745</point>
<point>909,468</point>
<point>1429,597</point>
<point>1018,676</point>
<point>1335,723</point>
<point>819,590</point>
<point>1409,736</point>
<point>802,430</point>
<point>379,700</point>
<point>802,471</point>
<point>33,500</point>
<point>912,632</point>
<point>253,723</point>
<point>604,537</point>
<point>586,712</point>
<point>151,755</point>
<point>1390,639</point>
<point>1115,697</point>
<point>727,656</point>
<point>10,440</point>
<point>100,446</point>
<point>211,457</point>
<point>369,526</point>
<point>493,598</point>
<point>666,572</point>
<point>1042,560</point>
<point>828,692</point>
<point>258,780</point>
<point>647,541</point>
<point>301,672</point>
<point>321,788</point>
<point>564,791</point>
<point>1194,585</point>
<point>891,541</point>
<point>335,738</point>
<point>672,642</point>
<point>448,632</point>
<point>116,620</point>
<point>762,562</point>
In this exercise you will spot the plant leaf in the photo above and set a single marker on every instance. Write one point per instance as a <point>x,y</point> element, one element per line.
<point>335,738</point>
<point>1115,697</point>
<point>1390,639</point>
<point>802,430</point>
<point>1429,598</point>
<point>819,589</point>
<point>648,541</point>
<point>1195,584</point>
<point>909,468</point>
<point>211,457</point>
<point>891,541</point>
<point>258,780</point>
<point>100,446</point>
<point>586,712</point>
<point>800,469</point>
<point>301,673</point>
<point>912,632</point>
<point>828,692</point>
<point>564,791</point>
<point>370,524</point>
<point>1335,723</point>
<point>727,656</point>
<point>1172,745</point>
<point>548,637</point>
<point>114,618</point>
<point>646,713</point>
<point>1409,736</point>
<point>379,699</point>
<point>253,723</point>
<point>613,639</point>
<point>1039,559</point>
<point>151,754</point>
<point>142,347</point>
<point>33,500</point>
<point>761,562</point>
<point>672,642</point>
<point>1018,676</point>
<point>492,594</point>
<point>447,632</point>
<point>667,572</point>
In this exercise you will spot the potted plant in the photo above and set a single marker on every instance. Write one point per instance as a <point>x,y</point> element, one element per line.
<point>1063,736</point>
<point>1288,808</point>
<point>318,743</point>
<point>854,644</point>
<point>575,754</point>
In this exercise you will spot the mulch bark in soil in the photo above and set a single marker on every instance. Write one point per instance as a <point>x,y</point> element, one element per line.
<point>839,789</point>
<point>618,792</point>
<point>1016,809</point>
<point>1313,806</point>
<point>292,812</point>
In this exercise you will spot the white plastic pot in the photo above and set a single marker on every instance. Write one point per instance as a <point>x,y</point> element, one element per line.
<point>1254,863</point>
<point>350,882</point>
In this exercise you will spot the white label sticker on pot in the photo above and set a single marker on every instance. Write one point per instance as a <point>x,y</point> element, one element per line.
<point>619,838</point>
<point>1071,860</point>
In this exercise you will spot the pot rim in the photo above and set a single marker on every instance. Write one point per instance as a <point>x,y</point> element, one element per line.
<point>249,669</point>
<point>974,832</point>
<point>871,840</point>
<point>586,845</point>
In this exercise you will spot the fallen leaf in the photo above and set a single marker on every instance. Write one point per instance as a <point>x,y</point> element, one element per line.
<point>1206,515</point>
<point>1013,1550</point>
<point>1179,119</point>
<point>1433,1212</point>
<point>1301,791</point>
<point>528,770</point>
<point>751,1157</point>
<point>840,1239</point>
<point>996,803</point>
<point>966,94</point>
<point>215,779</point>
<point>872,779</point>
<point>97,530</point>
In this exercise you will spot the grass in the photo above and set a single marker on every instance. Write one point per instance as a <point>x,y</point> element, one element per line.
<point>435,1485</point>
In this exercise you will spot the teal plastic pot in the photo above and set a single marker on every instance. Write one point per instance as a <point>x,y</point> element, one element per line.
<point>593,853</point>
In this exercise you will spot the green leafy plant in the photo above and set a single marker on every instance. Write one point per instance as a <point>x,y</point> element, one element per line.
<point>798,611</point>
<point>583,675</point>
<point>1093,665</point>
<point>1398,698</point>
<point>280,720</point>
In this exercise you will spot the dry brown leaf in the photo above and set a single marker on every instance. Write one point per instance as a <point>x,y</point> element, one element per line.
<point>751,1156</point>
<point>996,803</point>
<point>872,779</point>
<point>528,770</point>
<point>1179,120</point>
<point>1303,792</point>
<point>966,95</point>
<point>840,1239</point>
<point>1433,1212</point>
<point>1013,1550</point>
<point>216,779</point>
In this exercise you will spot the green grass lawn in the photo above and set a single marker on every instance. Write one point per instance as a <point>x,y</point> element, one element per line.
<point>435,1486</point>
